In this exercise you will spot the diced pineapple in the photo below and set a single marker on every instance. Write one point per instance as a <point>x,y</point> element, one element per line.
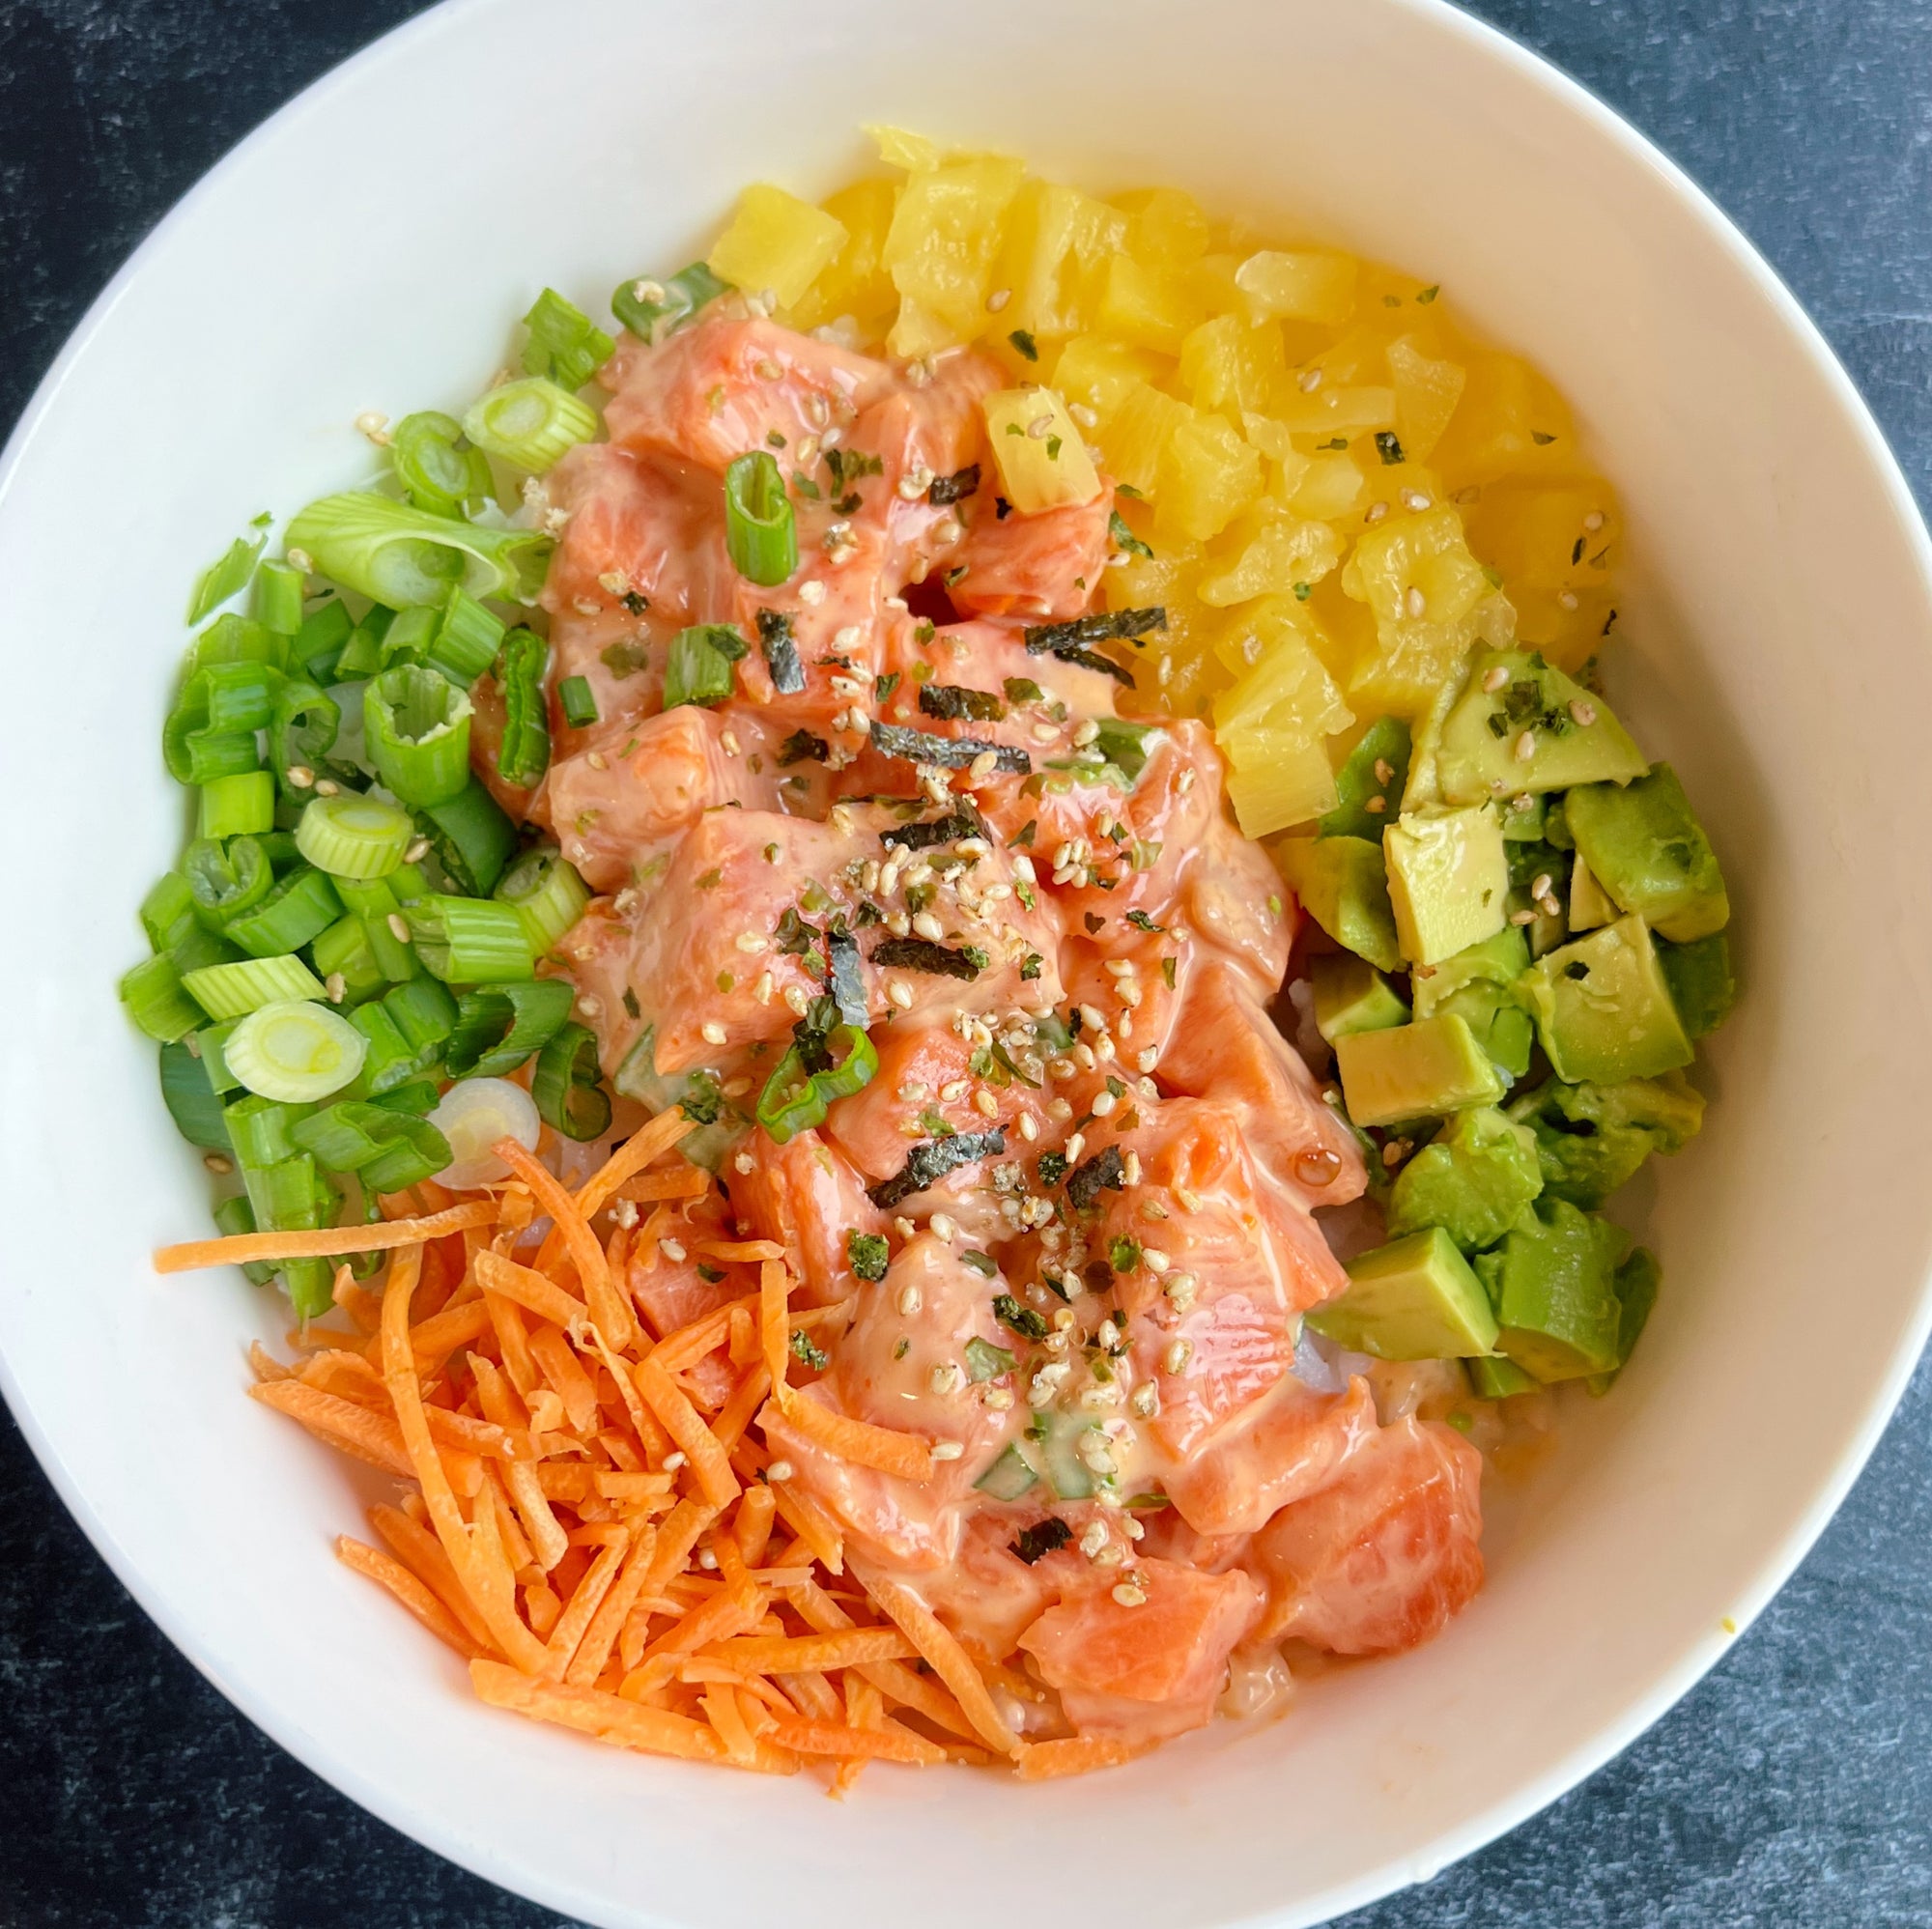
<point>944,237</point>
<point>1270,726</point>
<point>1208,476</point>
<point>919,332</point>
<point>1278,782</point>
<point>1417,575</point>
<point>1226,364</point>
<point>1271,635</point>
<point>1301,286</point>
<point>776,242</point>
<point>1165,227</point>
<point>1186,672</point>
<point>1144,423</point>
<point>1042,461</point>
<point>1336,410</point>
<point>1058,246</point>
<point>1330,486</point>
<point>1427,391</point>
<point>1150,307</point>
<point>1510,422</point>
<point>1286,557</point>
<point>855,281</point>
<point>1550,543</point>
<point>1099,374</point>
<point>898,148</point>
<point>1212,280</point>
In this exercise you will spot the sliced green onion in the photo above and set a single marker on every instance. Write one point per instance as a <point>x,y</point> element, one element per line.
<point>234,990</point>
<point>169,900</point>
<point>986,1361</point>
<point>523,755</point>
<point>278,847</point>
<point>417,1096</point>
<point>473,838</point>
<point>294,1051</point>
<point>439,471</point>
<point>234,806</point>
<point>547,894</point>
<point>563,344</point>
<point>579,701</point>
<point>300,908</point>
<point>698,668</point>
<point>232,1218</point>
<point>225,880</point>
<point>390,1148</point>
<point>344,951</point>
<point>193,751</point>
<point>424,1013</point>
<point>498,1025</point>
<point>465,640</point>
<point>224,576</point>
<point>190,1100</point>
<point>363,654</point>
<point>761,530</point>
<point>318,643</point>
<point>241,695</point>
<point>209,1041</point>
<point>375,902</point>
<point>156,1001</point>
<point>279,590</point>
<point>354,836</point>
<point>568,1085</point>
<point>653,309</point>
<point>529,423</point>
<point>193,946</point>
<point>474,1115</point>
<point>391,1061</point>
<point>470,940</point>
<point>398,555</point>
<point>233,638</point>
<point>794,1100</point>
<point>415,724</point>
<point>261,1131</point>
<point>407,637</point>
<point>301,732</point>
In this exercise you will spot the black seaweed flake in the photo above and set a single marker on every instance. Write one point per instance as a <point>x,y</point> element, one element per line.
<point>954,488</point>
<point>921,954</point>
<point>929,1163</point>
<point>847,979</point>
<point>924,836</point>
<point>951,701</point>
<point>1042,1538</point>
<point>1387,446</point>
<point>1085,1181</point>
<point>803,747</point>
<point>1072,642</point>
<point>949,753</point>
<point>780,643</point>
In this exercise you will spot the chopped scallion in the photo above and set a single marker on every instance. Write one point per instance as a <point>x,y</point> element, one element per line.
<point>280,587</point>
<point>440,471</point>
<point>400,556</point>
<point>547,894</point>
<point>224,576</point>
<point>578,702</point>
<point>234,990</point>
<point>301,907</point>
<point>294,1051</point>
<point>470,940</point>
<point>234,807</point>
<point>156,1001</point>
<point>563,343</point>
<point>698,668</point>
<point>524,753</point>
<point>354,836</point>
<point>760,530</point>
<point>529,423</point>
<point>472,836</point>
<point>567,1085</point>
<point>416,726</point>
<point>653,309</point>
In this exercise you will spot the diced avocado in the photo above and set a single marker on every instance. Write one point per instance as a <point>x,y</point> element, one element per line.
<point>1589,908</point>
<point>1645,846</point>
<point>1552,1283</point>
<point>1343,886</point>
<point>1473,1179</point>
<point>1360,781</point>
<point>1499,1378</point>
<point>1603,1008</point>
<point>1480,986</point>
<point>1423,790</point>
<point>1423,1070</point>
<point>1414,1299</point>
<point>1590,1139</point>
<point>1556,826</point>
<point>1448,881</point>
<point>1524,818</point>
<point>1637,1281</point>
<point>1572,737</point>
<point>1700,980</point>
<point>1351,995</point>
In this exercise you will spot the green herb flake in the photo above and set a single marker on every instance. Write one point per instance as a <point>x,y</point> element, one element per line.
<point>884,686</point>
<point>805,486</point>
<point>1166,971</point>
<point>1022,1319</point>
<point>1388,447</point>
<point>983,1263</point>
<point>1429,293</point>
<point>934,1123</point>
<point>805,1350</point>
<point>867,1254</point>
<point>1025,344</point>
<point>1031,964</point>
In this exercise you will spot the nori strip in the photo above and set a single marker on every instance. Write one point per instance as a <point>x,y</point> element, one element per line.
<point>930,1162</point>
<point>951,701</point>
<point>947,829</point>
<point>954,488</point>
<point>780,644</point>
<point>801,746</point>
<point>1104,1169</point>
<point>848,984</point>
<point>1070,642</point>
<point>921,954</point>
<point>1041,1539</point>
<point>949,753</point>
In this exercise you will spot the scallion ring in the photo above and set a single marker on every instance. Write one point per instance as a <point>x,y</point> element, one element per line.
<point>294,1051</point>
<point>354,836</point>
<point>761,530</point>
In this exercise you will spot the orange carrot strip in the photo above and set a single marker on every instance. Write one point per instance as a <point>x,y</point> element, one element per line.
<point>648,1190</point>
<point>727,1723</point>
<point>738,1412</point>
<point>337,1419</point>
<point>822,1737</point>
<point>709,1462</point>
<point>1046,1761</point>
<point>631,1157</point>
<point>399,1369</point>
<point>421,1552</point>
<point>585,1603</point>
<point>627,1487</point>
<point>882,1448</point>
<point>752,1526</point>
<point>740,1252</point>
<point>388,1572</point>
<point>655,1731</point>
<point>948,1660</point>
<point>565,1373</point>
<point>651,1436</point>
<point>513,1342</point>
<point>547,1537</point>
<point>676,1538</point>
<point>820,1654</point>
<point>895,1682</point>
<point>774,1322</point>
<point>360,1306</point>
<point>435,1338</point>
<point>607,1306</point>
<point>519,1556</point>
<point>601,1636</point>
<point>816,1529</point>
<point>264,1364</point>
<point>690,1344</point>
<point>716,1619</point>
<point>326,1242</point>
<point>530,1289</point>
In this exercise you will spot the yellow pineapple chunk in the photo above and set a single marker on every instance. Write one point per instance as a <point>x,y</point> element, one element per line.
<point>1058,247</point>
<point>1099,374</point>
<point>1144,422</point>
<point>1427,390</point>
<point>944,237</point>
<point>1330,486</point>
<point>1165,227</point>
<point>1280,781</point>
<point>1301,287</point>
<point>898,148</point>
<point>855,281</point>
<point>1550,543</point>
<point>1148,306</point>
<point>1226,364</point>
<point>1208,476</point>
<point>776,242</point>
<point>1510,422</point>
<point>1287,556</point>
<point>1270,725</point>
<point>1335,409</point>
<point>1041,460</point>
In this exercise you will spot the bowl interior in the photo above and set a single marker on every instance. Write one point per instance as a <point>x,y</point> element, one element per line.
<point>1775,644</point>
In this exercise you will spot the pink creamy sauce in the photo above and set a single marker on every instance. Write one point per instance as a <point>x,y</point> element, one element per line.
<point>1166,1366</point>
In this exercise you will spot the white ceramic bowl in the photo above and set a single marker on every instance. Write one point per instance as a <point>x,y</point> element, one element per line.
<point>370,248</point>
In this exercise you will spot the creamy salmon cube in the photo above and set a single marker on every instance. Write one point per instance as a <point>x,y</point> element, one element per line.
<point>1044,567</point>
<point>806,1195</point>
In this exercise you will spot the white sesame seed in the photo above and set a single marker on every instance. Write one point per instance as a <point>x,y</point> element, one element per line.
<point>1375,512</point>
<point>942,1229</point>
<point>1415,501</point>
<point>219,1166</point>
<point>1131,1168</point>
<point>374,424</point>
<point>1038,428</point>
<point>909,1300</point>
<point>1075,1146</point>
<point>1525,747</point>
<point>1146,1402</point>
<point>928,926</point>
<point>1523,916</point>
<point>779,1471</point>
<point>899,994</point>
<point>1181,1289</point>
<point>811,592</point>
<point>1415,603</point>
<point>301,776</point>
<point>418,850</point>
<point>998,299</point>
<point>1178,1354</point>
<point>1086,731</point>
<point>712,1032</point>
<point>302,560</point>
<point>590,1006</point>
<point>1583,711</point>
<point>746,1164</point>
<point>945,1377</point>
<point>1566,599</point>
<point>947,1450</point>
<point>903,1227</point>
<point>1103,1104</point>
<point>1154,1260</point>
<point>1130,1596</point>
<point>1309,380</point>
<point>1184,782</point>
<point>673,1460</point>
<point>1028,1131</point>
<point>982,766</point>
<point>831,437</point>
<point>1593,522</point>
<point>985,1104</point>
<point>399,929</point>
<point>327,787</point>
<point>762,990</point>
<point>672,1250</point>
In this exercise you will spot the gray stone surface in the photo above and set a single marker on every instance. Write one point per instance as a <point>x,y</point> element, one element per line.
<point>1793,1787</point>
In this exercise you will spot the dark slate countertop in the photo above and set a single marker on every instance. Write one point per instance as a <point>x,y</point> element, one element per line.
<point>1793,1787</point>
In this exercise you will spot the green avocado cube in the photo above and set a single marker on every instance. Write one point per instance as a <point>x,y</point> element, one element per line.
<point>1638,1280</point>
<point>1499,1378</point>
<point>1424,1070</point>
<point>1590,1139</point>
<point>1603,1008</point>
<point>1644,846</point>
<point>1590,907</point>
<point>1524,817</point>
<point>1342,886</point>
<point>1474,1179</point>
<point>1413,1299</point>
<point>1552,1283</point>
<point>1351,995</point>
<point>1522,726</point>
<point>1448,881</point>
<point>1480,986</point>
<point>1373,774</point>
<point>1701,984</point>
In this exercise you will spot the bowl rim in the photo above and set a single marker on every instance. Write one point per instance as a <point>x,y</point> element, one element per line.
<point>501,1863</point>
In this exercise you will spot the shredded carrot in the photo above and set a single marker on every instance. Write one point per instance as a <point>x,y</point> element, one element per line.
<point>654,1730</point>
<point>601,1636</point>
<point>752,1526</point>
<point>565,1373</point>
<point>705,1333</point>
<point>631,1157</point>
<point>694,1182</point>
<point>389,1572</point>
<point>585,1603</point>
<point>530,1289</point>
<point>326,1242</point>
<point>740,1252</point>
<point>1046,1761</point>
<point>360,1306</point>
<point>821,1654</point>
<point>421,1552</point>
<point>882,1448</point>
<point>709,1461</point>
<point>948,1660</point>
<point>774,1319</point>
<point>885,1743</point>
<point>607,1306</point>
<point>338,1419</point>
